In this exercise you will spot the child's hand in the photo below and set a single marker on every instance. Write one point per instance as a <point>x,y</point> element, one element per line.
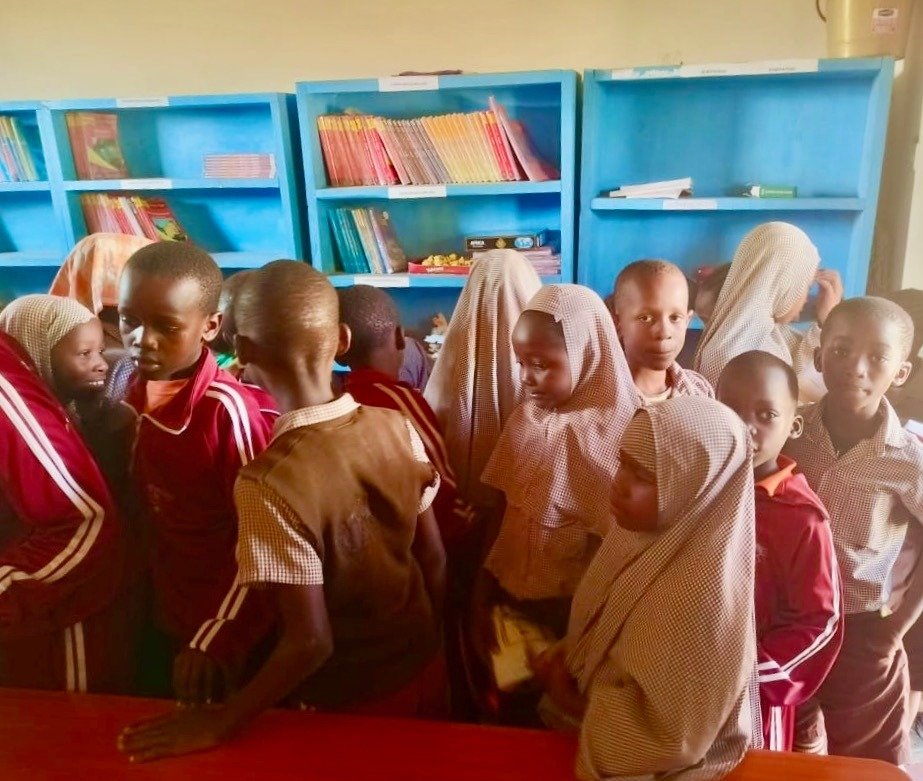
<point>551,672</point>
<point>197,678</point>
<point>179,732</point>
<point>830,293</point>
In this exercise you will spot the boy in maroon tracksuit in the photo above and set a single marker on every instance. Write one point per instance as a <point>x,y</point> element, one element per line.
<point>197,427</point>
<point>799,615</point>
<point>61,550</point>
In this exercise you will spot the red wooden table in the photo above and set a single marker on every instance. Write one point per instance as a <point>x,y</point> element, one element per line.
<point>46,736</point>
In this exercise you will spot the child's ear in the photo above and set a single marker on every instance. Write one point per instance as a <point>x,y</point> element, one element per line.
<point>344,340</point>
<point>818,361</point>
<point>400,341</point>
<point>211,327</point>
<point>797,427</point>
<point>902,374</point>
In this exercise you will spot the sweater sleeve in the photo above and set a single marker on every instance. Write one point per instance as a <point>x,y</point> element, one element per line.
<point>797,653</point>
<point>59,559</point>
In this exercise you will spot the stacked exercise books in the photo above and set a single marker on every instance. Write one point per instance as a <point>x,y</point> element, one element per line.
<point>131,214</point>
<point>460,148</point>
<point>239,166</point>
<point>94,139</point>
<point>365,241</point>
<point>16,164</point>
<point>672,188</point>
<point>537,247</point>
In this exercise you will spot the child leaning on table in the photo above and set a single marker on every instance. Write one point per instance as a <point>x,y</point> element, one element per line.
<point>335,526</point>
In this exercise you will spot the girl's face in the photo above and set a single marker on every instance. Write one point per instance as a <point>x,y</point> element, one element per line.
<point>77,362</point>
<point>634,496</point>
<point>544,368</point>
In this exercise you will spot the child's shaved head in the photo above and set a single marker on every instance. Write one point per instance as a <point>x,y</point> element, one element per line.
<point>180,260</point>
<point>643,272</point>
<point>756,362</point>
<point>372,318</point>
<point>289,310</point>
<point>872,307</point>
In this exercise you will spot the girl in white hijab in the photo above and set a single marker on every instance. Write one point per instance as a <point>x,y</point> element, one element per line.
<point>475,385</point>
<point>660,656</point>
<point>765,291</point>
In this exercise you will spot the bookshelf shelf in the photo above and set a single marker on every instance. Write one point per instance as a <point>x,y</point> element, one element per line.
<point>436,218</point>
<point>728,204</point>
<point>411,192</point>
<point>243,223</point>
<point>163,184</point>
<point>24,187</point>
<point>818,125</point>
<point>30,259</point>
<point>410,280</point>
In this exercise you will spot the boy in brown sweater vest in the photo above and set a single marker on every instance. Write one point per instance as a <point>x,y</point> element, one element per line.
<point>335,523</point>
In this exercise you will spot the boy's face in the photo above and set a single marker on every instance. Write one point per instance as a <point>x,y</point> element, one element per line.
<point>162,323</point>
<point>633,499</point>
<point>762,399</point>
<point>77,362</point>
<point>544,368</point>
<point>651,317</point>
<point>861,358</point>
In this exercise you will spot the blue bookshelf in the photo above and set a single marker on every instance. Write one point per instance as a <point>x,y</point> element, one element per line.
<point>244,223</point>
<point>816,124</point>
<point>436,219</point>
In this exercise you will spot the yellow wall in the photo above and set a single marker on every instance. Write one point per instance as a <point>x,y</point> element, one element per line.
<point>140,48</point>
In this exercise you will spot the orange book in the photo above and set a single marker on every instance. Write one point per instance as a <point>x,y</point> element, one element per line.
<point>94,140</point>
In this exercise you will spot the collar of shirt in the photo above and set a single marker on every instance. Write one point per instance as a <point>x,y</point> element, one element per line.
<point>311,416</point>
<point>890,433</point>
<point>771,483</point>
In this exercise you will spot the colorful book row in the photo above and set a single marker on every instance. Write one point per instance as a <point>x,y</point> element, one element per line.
<point>366,242</point>
<point>16,164</point>
<point>131,214</point>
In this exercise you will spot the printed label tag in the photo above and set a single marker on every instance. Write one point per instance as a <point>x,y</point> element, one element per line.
<point>884,21</point>
<point>146,184</point>
<point>417,191</point>
<point>407,83</point>
<point>384,280</point>
<point>690,205</point>
<point>749,68</point>
<point>141,102</point>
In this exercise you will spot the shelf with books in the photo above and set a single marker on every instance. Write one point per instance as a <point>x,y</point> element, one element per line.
<point>446,173</point>
<point>814,125</point>
<point>410,280</point>
<point>223,165</point>
<point>728,204</point>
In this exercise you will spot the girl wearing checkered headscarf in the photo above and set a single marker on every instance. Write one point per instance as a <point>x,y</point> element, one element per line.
<point>765,289</point>
<point>661,640</point>
<point>475,385</point>
<point>551,462</point>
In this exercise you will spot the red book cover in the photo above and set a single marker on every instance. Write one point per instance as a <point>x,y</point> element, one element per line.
<point>388,173</point>
<point>344,158</point>
<point>165,222</point>
<point>323,133</point>
<point>386,135</point>
<point>94,139</point>
<point>536,169</point>
<point>379,174</point>
<point>139,207</point>
<point>507,166</point>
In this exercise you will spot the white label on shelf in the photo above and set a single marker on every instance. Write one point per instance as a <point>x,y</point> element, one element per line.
<point>653,72</point>
<point>145,184</point>
<point>690,205</point>
<point>749,68</point>
<point>383,280</point>
<point>141,102</point>
<point>407,83</point>
<point>884,21</point>
<point>417,191</point>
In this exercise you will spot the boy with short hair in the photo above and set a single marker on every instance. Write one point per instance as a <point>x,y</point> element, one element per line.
<point>61,544</point>
<point>867,471</point>
<point>374,357</point>
<point>650,307</point>
<point>335,524</point>
<point>799,617</point>
<point>197,427</point>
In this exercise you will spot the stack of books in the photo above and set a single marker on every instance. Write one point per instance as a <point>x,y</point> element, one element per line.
<point>239,166</point>
<point>16,164</point>
<point>478,146</point>
<point>366,242</point>
<point>94,138</point>
<point>545,260</point>
<point>672,188</point>
<point>131,214</point>
<point>517,640</point>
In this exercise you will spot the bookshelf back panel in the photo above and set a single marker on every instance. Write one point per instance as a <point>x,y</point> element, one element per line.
<point>440,225</point>
<point>16,282</point>
<point>537,106</point>
<point>692,239</point>
<point>222,221</point>
<point>172,142</point>
<point>725,133</point>
<point>28,223</point>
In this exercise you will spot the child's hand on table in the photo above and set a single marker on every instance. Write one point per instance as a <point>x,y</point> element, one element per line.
<point>830,293</point>
<point>552,674</point>
<point>182,731</point>
<point>197,678</point>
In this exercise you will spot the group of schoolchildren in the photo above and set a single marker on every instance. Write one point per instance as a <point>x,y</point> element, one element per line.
<point>191,510</point>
